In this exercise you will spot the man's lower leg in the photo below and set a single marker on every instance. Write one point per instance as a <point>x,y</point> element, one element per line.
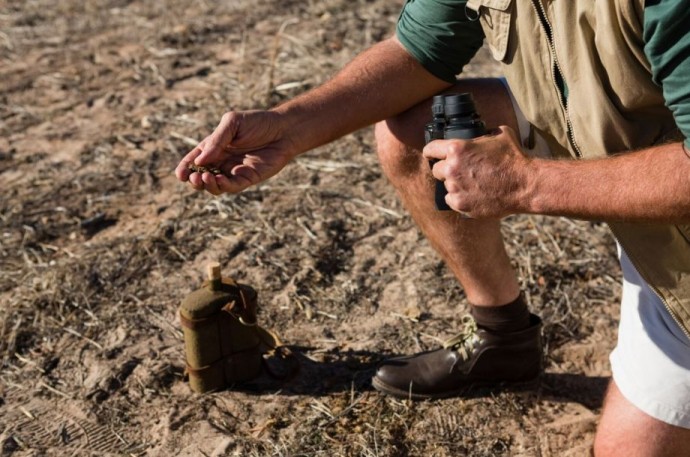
<point>472,249</point>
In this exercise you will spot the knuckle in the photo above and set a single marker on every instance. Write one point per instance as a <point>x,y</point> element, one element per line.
<point>455,150</point>
<point>456,147</point>
<point>451,186</point>
<point>212,145</point>
<point>453,164</point>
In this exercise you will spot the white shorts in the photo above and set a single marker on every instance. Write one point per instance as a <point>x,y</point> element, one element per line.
<point>651,362</point>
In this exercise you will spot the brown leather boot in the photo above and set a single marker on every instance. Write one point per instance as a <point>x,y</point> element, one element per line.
<point>475,357</point>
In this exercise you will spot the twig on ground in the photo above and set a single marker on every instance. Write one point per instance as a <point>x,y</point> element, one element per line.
<point>75,333</point>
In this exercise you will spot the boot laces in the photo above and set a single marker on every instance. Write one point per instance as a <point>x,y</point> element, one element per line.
<point>465,341</point>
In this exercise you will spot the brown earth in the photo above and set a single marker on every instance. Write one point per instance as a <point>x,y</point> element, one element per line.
<point>99,243</point>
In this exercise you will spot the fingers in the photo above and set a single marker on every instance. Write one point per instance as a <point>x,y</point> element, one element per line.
<point>220,184</point>
<point>456,203</point>
<point>232,167</point>
<point>441,149</point>
<point>438,171</point>
<point>232,185</point>
<point>196,181</point>
<point>438,149</point>
<point>210,183</point>
<point>221,137</point>
<point>182,172</point>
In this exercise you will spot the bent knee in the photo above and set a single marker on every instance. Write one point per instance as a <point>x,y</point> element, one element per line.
<point>625,430</point>
<point>399,147</point>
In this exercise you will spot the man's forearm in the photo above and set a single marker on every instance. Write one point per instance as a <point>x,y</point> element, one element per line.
<point>651,185</point>
<point>379,83</point>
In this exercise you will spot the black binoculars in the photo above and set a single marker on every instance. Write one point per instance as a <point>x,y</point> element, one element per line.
<point>454,117</point>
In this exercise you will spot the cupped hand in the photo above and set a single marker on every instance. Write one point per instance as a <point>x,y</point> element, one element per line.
<point>486,177</point>
<point>247,148</point>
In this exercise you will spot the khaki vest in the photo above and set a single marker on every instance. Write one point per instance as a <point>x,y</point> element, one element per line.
<point>612,106</point>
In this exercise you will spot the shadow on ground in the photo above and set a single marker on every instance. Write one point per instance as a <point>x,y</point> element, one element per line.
<point>352,371</point>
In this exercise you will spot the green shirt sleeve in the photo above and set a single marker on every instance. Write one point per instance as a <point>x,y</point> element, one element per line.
<point>667,46</point>
<point>439,35</point>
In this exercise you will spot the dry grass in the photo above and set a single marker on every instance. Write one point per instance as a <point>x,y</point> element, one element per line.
<point>98,244</point>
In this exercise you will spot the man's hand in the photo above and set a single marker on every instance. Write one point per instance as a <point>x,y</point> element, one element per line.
<point>487,177</point>
<point>247,147</point>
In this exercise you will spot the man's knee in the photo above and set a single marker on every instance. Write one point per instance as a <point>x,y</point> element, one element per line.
<point>625,430</point>
<point>399,149</point>
<point>386,142</point>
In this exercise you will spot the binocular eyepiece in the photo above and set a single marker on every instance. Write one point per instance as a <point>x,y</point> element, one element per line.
<point>454,116</point>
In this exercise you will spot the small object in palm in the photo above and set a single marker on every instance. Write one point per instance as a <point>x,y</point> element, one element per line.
<point>200,169</point>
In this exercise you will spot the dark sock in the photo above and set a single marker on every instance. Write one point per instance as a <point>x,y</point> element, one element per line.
<point>505,318</point>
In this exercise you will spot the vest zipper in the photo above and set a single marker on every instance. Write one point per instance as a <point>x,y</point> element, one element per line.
<point>633,260</point>
<point>557,73</point>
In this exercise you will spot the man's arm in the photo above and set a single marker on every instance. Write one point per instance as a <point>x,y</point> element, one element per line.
<point>650,185</point>
<point>249,147</point>
<point>434,41</point>
<point>381,82</point>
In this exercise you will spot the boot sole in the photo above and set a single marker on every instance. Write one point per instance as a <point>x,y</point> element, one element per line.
<point>514,386</point>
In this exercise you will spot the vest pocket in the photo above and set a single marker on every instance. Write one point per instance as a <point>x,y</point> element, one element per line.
<point>494,16</point>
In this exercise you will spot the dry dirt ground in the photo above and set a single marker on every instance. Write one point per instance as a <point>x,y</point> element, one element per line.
<point>99,243</point>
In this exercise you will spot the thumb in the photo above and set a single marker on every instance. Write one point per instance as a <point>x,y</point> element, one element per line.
<point>505,130</point>
<point>214,146</point>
